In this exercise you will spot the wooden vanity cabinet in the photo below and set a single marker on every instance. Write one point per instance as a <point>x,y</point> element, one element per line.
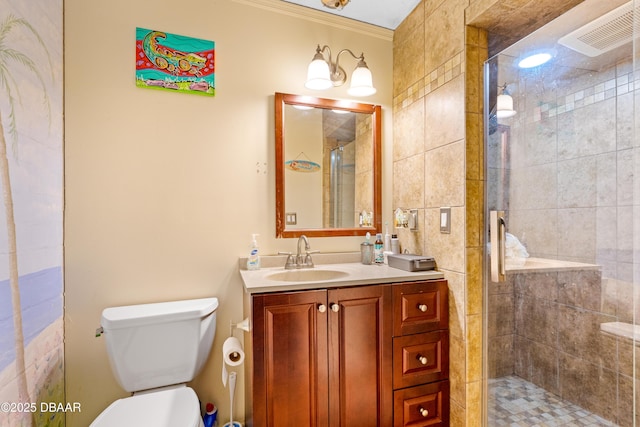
<point>322,358</point>
<point>373,355</point>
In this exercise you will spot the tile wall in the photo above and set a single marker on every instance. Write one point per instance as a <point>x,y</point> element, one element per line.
<point>544,327</point>
<point>572,161</point>
<point>437,162</point>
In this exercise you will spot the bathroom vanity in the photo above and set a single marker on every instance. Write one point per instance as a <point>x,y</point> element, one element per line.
<point>347,344</point>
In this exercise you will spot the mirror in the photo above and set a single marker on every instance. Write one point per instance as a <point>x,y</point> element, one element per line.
<point>328,167</point>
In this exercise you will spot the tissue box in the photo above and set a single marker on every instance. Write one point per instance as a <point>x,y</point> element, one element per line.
<point>409,262</point>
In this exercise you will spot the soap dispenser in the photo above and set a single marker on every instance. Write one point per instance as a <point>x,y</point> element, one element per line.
<point>366,251</point>
<point>253,262</point>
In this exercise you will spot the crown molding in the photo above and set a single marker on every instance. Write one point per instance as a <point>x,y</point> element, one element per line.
<point>317,16</point>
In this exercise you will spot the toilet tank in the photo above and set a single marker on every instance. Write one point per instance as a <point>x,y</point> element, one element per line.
<point>159,344</point>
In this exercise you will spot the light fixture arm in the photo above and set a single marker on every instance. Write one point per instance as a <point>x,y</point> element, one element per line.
<point>338,75</point>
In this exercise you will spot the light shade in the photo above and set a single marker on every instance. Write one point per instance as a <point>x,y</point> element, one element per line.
<point>361,81</point>
<point>318,74</point>
<point>504,106</point>
<point>324,73</point>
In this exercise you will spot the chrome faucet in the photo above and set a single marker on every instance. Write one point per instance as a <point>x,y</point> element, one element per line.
<point>302,258</point>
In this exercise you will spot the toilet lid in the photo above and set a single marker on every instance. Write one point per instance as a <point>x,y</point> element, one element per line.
<point>177,407</point>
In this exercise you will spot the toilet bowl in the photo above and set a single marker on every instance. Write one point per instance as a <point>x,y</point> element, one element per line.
<point>154,350</point>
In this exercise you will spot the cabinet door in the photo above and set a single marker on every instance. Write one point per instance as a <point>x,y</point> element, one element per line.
<point>290,359</point>
<point>360,360</point>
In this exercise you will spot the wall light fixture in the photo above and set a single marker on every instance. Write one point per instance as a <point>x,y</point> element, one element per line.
<point>335,4</point>
<point>504,104</point>
<point>324,73</point>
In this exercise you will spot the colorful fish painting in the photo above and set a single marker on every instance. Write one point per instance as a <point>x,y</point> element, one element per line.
<point>302,165</point>
<point>175,63</point>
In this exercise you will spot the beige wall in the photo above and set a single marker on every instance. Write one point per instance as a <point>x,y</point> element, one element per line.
<point>163,190</point>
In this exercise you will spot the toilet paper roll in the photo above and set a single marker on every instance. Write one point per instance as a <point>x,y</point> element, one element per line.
<point>232,355</point>
<point>232,352</point>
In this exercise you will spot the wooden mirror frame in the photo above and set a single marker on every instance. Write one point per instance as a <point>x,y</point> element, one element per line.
<point>282,99</point>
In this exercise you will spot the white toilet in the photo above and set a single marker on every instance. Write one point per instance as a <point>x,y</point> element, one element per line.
<point>154,350</point>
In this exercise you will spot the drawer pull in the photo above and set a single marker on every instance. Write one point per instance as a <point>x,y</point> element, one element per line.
<point>423,307</point>
<point>335,308</point>
<point>422,359</point>
<point>423,412</point>
<point>322,308</point>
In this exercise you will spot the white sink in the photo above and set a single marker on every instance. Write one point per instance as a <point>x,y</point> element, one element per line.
<point>307,275</point>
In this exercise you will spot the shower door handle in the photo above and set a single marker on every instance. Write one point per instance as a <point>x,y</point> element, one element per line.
<point>498,232</point>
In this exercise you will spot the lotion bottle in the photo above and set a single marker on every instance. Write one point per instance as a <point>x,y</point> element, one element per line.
<point>253,262</point>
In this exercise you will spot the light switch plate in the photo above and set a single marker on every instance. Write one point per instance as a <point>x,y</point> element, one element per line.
<point>413,219</point>
<point>291,218</point>
<point>445,220</point>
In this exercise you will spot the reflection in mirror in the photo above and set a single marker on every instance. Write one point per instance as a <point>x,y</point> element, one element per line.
<point>327,167</point>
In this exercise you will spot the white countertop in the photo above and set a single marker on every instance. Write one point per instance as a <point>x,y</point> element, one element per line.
<point>353,273</point>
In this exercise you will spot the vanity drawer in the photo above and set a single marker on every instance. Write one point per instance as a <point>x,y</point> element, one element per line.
<point>420,358</point>
<point>420,307</point>
<point>426,405</point>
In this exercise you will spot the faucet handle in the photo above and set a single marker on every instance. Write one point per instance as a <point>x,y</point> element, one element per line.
<point>308,262</point>
<point>290,263</point>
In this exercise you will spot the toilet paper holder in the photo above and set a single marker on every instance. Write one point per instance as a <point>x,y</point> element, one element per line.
<point>245,325</point>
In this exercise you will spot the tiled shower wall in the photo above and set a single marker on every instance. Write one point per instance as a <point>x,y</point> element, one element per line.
<point>545,328</point>
<point>572,152</point>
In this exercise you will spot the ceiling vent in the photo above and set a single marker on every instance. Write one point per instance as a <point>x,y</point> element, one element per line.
<point>603,34</point>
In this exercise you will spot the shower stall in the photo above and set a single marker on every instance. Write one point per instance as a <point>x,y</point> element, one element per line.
<point>342,185</point>
<point>562,266</point>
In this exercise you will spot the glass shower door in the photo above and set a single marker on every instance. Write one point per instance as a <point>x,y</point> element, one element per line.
<point>561,264</point>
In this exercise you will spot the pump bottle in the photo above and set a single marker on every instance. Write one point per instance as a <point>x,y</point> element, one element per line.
<point>253,262</point>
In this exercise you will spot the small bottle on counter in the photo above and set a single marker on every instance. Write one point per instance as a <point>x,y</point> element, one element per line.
<point>387,239</point>
<point>395,244</point>
<point>378,249</point>
<point>366,251</point>
<point>253,262</point>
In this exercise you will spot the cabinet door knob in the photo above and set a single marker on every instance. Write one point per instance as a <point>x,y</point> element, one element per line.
<point>335,308</point>
<point>322,308</point>
<point>423,412</point>
<point>423,307</point>
<point>422,359</point>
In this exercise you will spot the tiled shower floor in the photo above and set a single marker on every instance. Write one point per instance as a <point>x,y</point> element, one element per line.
<point>515,402</point>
